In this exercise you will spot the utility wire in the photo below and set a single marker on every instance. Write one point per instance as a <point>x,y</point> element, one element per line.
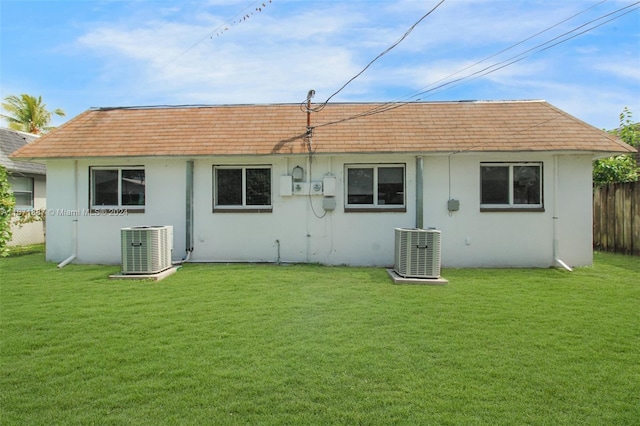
<point>405,35</point>
<point>393,105</point>
<point>237,18</point>
<point>516,44</point>
<point>519,57</point>
<point>496,66</point>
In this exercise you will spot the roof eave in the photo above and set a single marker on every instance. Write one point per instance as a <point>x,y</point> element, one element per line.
<point>28,159</point>
<point>596,154</point>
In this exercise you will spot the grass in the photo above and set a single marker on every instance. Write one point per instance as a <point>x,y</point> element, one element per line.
<point>307,344</point>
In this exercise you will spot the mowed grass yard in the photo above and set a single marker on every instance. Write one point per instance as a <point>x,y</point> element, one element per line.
<point>307,344</point>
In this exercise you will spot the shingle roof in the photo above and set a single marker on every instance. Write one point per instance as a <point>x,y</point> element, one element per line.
<point>10,141</point>
<point>280,129</point>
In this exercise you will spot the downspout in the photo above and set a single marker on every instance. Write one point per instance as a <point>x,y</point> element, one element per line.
<point>74,229</point>
<point>419,192</point>
<point>188,214</point>
<point>556,242</point>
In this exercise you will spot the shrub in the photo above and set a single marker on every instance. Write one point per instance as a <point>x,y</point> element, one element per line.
<point>7,202</point>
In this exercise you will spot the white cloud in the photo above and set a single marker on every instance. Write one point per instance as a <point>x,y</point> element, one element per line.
<point>174,55</point>
<point>628,70</point>
<point>273,62</point>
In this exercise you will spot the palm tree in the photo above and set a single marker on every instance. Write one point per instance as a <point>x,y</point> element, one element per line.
<point>29,114</point>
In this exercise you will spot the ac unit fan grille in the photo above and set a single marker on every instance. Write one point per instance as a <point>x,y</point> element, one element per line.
<point>417,253</point>
<point>146,250</point>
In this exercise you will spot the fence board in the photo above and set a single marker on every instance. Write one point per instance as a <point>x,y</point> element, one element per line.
<point>597,218</point>
<point>635,219</point>
<point>616,218</point>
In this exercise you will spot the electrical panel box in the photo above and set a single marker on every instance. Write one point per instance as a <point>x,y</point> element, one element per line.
<point>286,186</point>
<point>453,205</point>
<point>329,203</point>
<point>329,186</point>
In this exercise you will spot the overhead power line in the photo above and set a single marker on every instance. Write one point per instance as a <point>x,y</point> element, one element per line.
<point>517,44</point>
<point>243,15</point>
<point>387,50</point>
<point>501,64</point>
<point>537,49</point>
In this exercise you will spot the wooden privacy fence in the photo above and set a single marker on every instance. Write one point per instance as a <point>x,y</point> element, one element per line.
<point>616,218</point>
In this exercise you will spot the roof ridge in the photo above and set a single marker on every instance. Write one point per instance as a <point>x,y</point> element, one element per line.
<point>20,132</point>
<point>267,104</point>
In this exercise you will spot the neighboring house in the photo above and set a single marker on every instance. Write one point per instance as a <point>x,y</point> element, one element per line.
<point>28,183</point>
<point>251,183</point>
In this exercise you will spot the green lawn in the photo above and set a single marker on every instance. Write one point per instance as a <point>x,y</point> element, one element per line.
<point>307,344</point>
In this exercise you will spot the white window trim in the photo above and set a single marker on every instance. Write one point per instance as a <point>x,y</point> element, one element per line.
<point>264,208</point>
<point>119,206</point>
<point>375,206</point>
<point>511,206</point>
<point>32,192</point>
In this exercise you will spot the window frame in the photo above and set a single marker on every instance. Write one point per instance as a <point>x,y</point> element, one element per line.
<point>30,192</point>
<point>139,208</point>
<point>375,206</point>
<point>511,206</point>
<point>243,207</point>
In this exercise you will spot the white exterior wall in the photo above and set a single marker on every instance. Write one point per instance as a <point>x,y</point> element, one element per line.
<point>575,210</point>
<point>62,195</point>
<point>292,232</point>
<point>98,236</point>
<point>471,238</point>
<point>33,232</point>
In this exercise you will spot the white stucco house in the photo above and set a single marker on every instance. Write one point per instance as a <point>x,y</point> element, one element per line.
<point>28,183</point>
<point>508,183</point>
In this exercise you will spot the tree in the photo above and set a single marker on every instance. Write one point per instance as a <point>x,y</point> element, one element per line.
<point>28,114</point>
<point>622,168</point>
<point>628,131</point>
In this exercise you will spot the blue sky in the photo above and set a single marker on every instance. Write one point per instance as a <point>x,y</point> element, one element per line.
<point>92,53</point>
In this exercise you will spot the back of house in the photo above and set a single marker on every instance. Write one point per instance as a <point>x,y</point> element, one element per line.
<point>507,183</point>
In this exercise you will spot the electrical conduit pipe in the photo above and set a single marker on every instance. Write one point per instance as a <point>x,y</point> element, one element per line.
<point>188,215</point>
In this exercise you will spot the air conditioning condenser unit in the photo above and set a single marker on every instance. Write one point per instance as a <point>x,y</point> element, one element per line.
<point>146,249</point>
<point>417,253</point>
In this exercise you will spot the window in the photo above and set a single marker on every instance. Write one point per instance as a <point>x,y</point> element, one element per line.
<point>510,186</point>
<point>375,188</point>
<point>242,188</point>
<point>118,187</point>
<point>22,188</point>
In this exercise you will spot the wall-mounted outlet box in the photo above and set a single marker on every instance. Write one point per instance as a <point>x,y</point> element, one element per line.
<point>329,203</point>
<point>286,186</point>
<point>453,205</point>
<point>329,186</point>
